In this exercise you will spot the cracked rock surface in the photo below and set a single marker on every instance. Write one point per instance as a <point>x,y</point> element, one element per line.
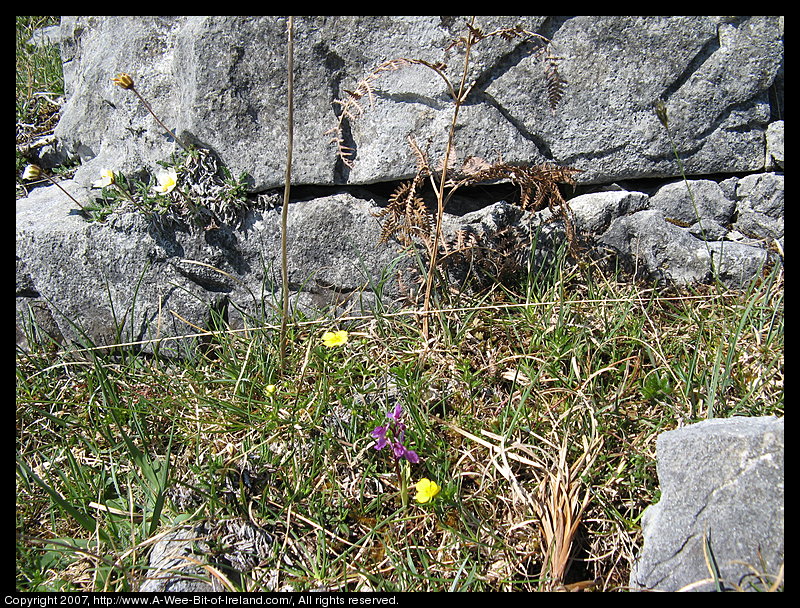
<point>220,81</point>
<point>722,482</point>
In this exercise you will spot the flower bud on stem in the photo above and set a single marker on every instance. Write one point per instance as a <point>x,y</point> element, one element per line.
<point>34,171</point>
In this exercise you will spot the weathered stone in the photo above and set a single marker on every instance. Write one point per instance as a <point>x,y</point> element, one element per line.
<point>664,251</point>
<point>693,201</point>
<point>761,193</point>
<point>46,36</point>
<point>183,559</point>
<point>174,568</point>
<point>722,482</point>
<point>708,230</point>
<point>775,146</point>
<point>760,206</point>
<point>735,265</point>
<point>221,81</point>
<point>127,280</point>
<point>593,213</point>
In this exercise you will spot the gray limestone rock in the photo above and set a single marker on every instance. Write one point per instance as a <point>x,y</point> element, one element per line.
<point>174,568</point>
<point>775,146</point>
<point>129,280</point>
<point>195,558</point>
<point>221,81</point>
<point>722,482</point>
<point>593,213</point>
<point>760,206</point>
<point>708,230</point>
<point>688,202</point>
<point>664,251</point>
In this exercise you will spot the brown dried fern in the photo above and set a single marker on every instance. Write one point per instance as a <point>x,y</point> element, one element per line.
<point>350,105</point>
<point>406,217</point>
<point>467,256</point>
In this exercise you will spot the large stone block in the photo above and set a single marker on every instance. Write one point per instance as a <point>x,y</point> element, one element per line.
<point>221,81</point>
<point>722,483</point>
<point>129,279</point>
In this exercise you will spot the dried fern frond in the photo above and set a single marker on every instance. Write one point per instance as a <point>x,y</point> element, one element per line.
<point>555,82</point>
<point>423,166</point>
<point>350,105</point>
<point>406,216</point>
<point>538,184</point>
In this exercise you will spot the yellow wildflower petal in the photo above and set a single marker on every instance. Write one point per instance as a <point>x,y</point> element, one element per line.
<point>426,490</point>
<point>123,80</point>
<point>334,338</point>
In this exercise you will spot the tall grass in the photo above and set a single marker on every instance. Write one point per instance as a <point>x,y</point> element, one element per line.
<point>537,413</point>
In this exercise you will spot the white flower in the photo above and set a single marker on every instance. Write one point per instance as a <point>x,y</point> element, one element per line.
<point>106,179</point>
<point>167,180</point>
<point>31,172</point>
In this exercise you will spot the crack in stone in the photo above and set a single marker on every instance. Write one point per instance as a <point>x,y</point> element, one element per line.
<point>695,63</point>
<point>541,145</point>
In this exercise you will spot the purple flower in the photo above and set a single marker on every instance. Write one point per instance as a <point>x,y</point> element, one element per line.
<point>380,434</point>
<point>398,432</point>
<point>396,414</point>
<point>411,456</point>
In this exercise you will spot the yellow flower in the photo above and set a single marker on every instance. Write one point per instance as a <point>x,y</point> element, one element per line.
<point>426,490</point>
<point>270,389</point>
<point>123,80</point>
<point>106,179</point>
<point>167,180</point>
<point>334,338</point>
<point>32,172</point>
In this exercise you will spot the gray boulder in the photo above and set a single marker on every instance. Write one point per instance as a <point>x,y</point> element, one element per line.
<point>722,482</point>
<point>174,565</point>
<point>775,146</point>
<point>693,200</point>
<point>183,560</point>
<point>760,206</point>
<point>662,250</point>
<point>594,212</point>
<point>221,81</point>
<point>723,231</point>
<point>128,280</point>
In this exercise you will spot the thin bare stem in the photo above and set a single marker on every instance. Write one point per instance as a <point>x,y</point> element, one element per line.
<point>55,183</point>
<point>287,185</point>
<point>443,181</point>
<point>158,120</point>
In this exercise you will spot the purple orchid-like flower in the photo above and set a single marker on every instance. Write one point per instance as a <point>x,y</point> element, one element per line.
<point>397,428</point>
<point>400,451</point>
<point>380,435</point>
<point>396,414</point>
